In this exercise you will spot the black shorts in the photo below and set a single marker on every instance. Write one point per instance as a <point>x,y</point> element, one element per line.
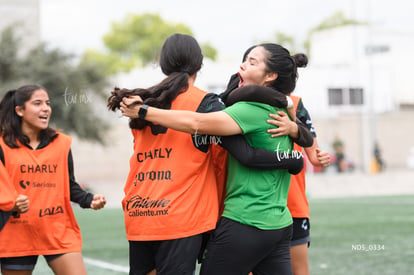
<point>169,257</point>
<point>301,231</point>
<point>236,248</point>
<point>25,262</point>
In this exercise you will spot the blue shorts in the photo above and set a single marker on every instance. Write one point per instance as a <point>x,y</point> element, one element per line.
<point>301,231</point>
<point>25,262</point>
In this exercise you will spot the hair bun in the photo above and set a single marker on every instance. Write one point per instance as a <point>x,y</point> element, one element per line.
<point>301,60</point>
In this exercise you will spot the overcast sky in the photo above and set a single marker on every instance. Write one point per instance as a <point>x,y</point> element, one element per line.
<point>231,26</point>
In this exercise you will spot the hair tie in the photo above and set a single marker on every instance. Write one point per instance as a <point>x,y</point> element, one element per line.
<point>185,71</point>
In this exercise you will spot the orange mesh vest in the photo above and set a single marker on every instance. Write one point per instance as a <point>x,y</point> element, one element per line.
<point>49,227</point>
<point>297,201</point>
<point>171,188</point>
<point>8,194</point>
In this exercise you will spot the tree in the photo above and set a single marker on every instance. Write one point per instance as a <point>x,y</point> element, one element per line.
<point>337,19</point>
<point>8,56</point>
<point>136,41</point>
<point>75,88</point>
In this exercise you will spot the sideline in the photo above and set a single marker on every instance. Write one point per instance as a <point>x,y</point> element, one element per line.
<point>106,265</point>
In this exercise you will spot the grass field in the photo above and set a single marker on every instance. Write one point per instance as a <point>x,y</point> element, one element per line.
<point>360,235</point>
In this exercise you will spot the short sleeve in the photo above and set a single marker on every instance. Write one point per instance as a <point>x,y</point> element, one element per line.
<point>251,116</point>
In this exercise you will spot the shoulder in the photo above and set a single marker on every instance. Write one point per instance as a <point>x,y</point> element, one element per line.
<point>250,110</point>
<point>297,100</point>
<point>303,115</point>
<point>252,105</point>
<point>211,103</point>
<point>62,138</point>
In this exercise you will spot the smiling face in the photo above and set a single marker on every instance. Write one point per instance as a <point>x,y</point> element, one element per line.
<point>35,113</point>
<point>253,69</point>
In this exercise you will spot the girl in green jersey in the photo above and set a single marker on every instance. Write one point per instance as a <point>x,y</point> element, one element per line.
<point>254,231</point>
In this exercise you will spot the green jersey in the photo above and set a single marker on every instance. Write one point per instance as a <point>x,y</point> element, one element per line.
<point>257,197</point>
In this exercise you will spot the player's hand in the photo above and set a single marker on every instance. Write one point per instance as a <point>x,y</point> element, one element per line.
<point>98,202</point>
<point>284,125</point>
<point>130,106</point>
<point>323,157</point>
<point>22,204</point>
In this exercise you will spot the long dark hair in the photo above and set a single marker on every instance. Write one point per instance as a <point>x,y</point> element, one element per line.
<point>180,57</point>
<point>10,122</point>
<point>279,60</point>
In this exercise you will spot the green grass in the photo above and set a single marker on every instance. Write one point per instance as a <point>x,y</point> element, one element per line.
<point>340,228</point>
<point>104,239</point>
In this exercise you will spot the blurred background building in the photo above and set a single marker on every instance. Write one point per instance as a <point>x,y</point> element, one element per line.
<point>24,16</point>
<point>357,87</point>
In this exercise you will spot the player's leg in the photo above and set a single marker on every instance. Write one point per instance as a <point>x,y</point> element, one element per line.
<point>67,264</point>
<point>299,256</point>
<point>277,261</point>
<point>142,257</point>
<point>18,265</point>
<point>178,256</point>
<point>299,246</point>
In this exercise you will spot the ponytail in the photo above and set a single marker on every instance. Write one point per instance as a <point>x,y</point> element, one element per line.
<point>7,99</point>
<point>160,96</point>
<point>7,105</point>
<point>180,58</point>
